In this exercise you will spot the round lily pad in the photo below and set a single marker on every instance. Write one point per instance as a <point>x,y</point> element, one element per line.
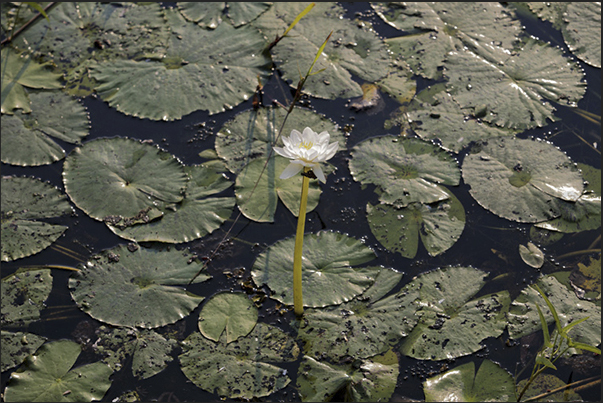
<point>328,277</point>
<point>211,70</point>
<point>231,313</point>
<point>531,255</point>
<point>583,31</point>
<point>438,225</point>
<point>521,180</point>
<point>491,383</point>
<point>26,138</point>
<point>16,347</point>
<point>120,179</point>
<point>405,170</point>
<point>23,296</point>
<point>451,325</point>
<point>134,286</point>
<point>192,218</point>
<point>48,376</point>
<point>24,202</point>
<point>244,368</point>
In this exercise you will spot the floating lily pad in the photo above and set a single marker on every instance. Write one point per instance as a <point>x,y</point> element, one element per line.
<point>522,180</point>
<point>531,255</point>
<point>24,202</point>
<point>353,50</point>
<point>363,327</point>
<point>48,376</point>
<point>405,170</point>
<point>515,87</point>
<point>587,277</point>
<point>192,218</point>
<point>119,180</point>
<point>211,70</point>
<point>491,383</point>
<point>26,138</point>
<point>209,14</point>
<point>20,71</point>
<point>328,277</point>
<point>583,214</point>
<point>524,319</point>
<point>231,313</point>
<point>251,134</point>
<point>242,369</point>
<point>150,351</point>
<point>76,34</point>
<point>17,346</point>
<point>438,225</point>
<point>134,286</point>
<point>438,28</point>
<point>544,383</point>
<point>23,296</point>
<point>371,380</point>
<point>451,326</point>
<point>583,31</point>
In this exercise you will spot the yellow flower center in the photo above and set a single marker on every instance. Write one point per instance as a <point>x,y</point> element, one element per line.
<point>307,145</point>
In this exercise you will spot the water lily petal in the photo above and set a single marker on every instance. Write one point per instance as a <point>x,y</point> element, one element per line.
<point>291,170</point>
<point>319,174</point>
<point>295,137</point>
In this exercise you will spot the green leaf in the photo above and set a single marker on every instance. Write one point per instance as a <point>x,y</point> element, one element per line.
<point>582,34</point>
<point>17,346</point>
<point>231,313</point>
<point>23,296</point>
<point>544,383</point>
<point>135,286</point>
<point>405,170</point>
<point>328,277</point>
<point>48,376</point>
<point>545,328</point>
<point>491,383</point>
<point>209,14</point>
<point>119,179</point>
<point>522,180</point>
<point>26,138</point>
<point>531,255</point>
<point>244,368</point>
<point>24,202</point>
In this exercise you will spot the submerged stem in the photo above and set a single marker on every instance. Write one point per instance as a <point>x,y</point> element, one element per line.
<point>298,302</point>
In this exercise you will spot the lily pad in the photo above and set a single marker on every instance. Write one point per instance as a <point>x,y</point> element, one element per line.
<point>26,138</point>
<point>491,383</point>
<point>438,225</point>
<point>244,368</point>
<point>251,134</point>
<point>353,50</point>
<point>363,327</point>
<point>231,313</point>
<point>587,277</point>
<point>524,319</point>
<point>583,31</point>
<point>134,286</point>
<point>451,326</point>
<point>438,28</point>
<point>150,351</point>
<point>583,214</point>
<point>75,35</point>
<point>211,70</point>
<point>24,202</point>
<point>192,218</point>
<point>515,86</point>
<point>531,255</point>
<point>48,376</point>
<point>20,71</point>
<point>209,14</point>
<point>328,277</point>
<point>120,179</point>
<point>522,180</point>
<point>370,380</point>
<point>545,383</point>
<point>404,170</point>
<point>23,296</point>
<point>16,347</point>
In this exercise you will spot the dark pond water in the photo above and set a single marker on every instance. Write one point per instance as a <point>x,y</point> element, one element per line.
<point>488,242</point>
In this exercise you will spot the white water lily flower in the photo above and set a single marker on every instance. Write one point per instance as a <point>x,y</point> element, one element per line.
<point>307,149</point>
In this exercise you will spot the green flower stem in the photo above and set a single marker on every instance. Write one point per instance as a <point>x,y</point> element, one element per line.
<point>298,300</point>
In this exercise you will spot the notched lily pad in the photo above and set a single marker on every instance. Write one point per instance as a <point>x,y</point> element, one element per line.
<point>531,255</point>
<point>25,201</point>
<point>23,296</point>
<point>137,286</point>
<point>328,277</point>
<point>404,170</point>
<point>244,368</point>
<point>17,346</point>
<point>231,313</point>
<point>522,180</point>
